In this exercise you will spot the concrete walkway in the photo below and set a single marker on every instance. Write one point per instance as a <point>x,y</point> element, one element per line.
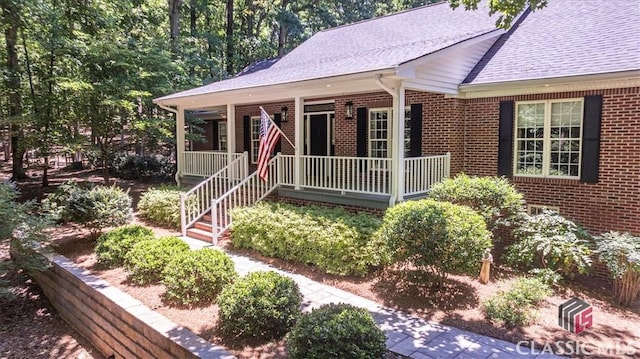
<point>407,334</point>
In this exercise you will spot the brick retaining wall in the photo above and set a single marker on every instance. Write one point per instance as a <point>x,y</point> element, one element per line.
<point>114,322</point>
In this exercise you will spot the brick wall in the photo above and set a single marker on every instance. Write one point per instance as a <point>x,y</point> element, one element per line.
<point>611,204</point>
<point>271,108</point>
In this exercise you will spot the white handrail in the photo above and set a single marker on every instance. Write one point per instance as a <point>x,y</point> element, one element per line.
<point>196,202</point>
<point>422,172</point>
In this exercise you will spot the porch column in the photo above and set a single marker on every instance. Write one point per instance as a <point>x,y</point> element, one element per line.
<point>231,130</point>
<point>299,142</point>
<point>179,143</point>
<point>397,144</point>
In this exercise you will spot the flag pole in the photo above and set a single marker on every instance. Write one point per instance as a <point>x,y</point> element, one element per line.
<point>278,127</point>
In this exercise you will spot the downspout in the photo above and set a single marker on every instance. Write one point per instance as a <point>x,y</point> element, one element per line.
<point>394,178</point>
<point>175,112</point>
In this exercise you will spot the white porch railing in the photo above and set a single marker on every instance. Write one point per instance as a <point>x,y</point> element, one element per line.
<point>246,193</point>
<point>421,173</point>
<point>197,201</point>
<point>205,163</point>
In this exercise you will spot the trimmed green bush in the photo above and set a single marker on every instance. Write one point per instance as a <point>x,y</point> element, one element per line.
<point>147,259</point>
<point>263,305</point>
<point>113,246</point>
<point>56,203</point>
<point>333,240</point>
<point>99,207</point>
<point>439,237</point>
<point>336,331</point>
<point>161,206</point>
<point>548,240</point>
<point>620,252</point>
<point>194,277</point>
<point>494,198</point>
<point>516,306</point>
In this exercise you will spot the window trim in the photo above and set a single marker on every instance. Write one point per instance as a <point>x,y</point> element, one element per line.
<point>535,209</point>
<point>546,152</point>
<point>406,136</point>
<point>255,141</point>
<point>222,133</point>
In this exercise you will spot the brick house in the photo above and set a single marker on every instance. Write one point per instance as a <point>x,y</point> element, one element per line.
<point>381,109</point>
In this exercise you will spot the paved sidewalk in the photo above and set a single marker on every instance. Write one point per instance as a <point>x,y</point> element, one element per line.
<point>407,334</point>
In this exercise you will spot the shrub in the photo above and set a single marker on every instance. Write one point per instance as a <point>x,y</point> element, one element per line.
<point>113,246</point>
<point>161,206</point>
<point>194,277</point>
<point>99,207</point>
<point>621,254</point>
<point>56,203</point>
<point>141,167</point>
<point>262,305</point>
<point>548,240</point>
<point>333,240</point>
<point>336,331</point>
<point>440,237</point>
<point>517,305</point>
<point>147,259</point>
<point>494,198</point>
<point>546,276</point>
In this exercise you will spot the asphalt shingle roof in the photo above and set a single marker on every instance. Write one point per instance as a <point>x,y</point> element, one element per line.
<point>369,45</point>
<point>566,38</point>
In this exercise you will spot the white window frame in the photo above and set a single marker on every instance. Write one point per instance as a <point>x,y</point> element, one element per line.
<point>255,138</point>
<point>222,136</point>
<point>407,130</point>
<point>546,147</point>
<point>535,209</point>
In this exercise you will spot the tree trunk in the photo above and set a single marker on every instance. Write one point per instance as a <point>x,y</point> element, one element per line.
<point>229,34</point>
<point>282,31</point>
<point>174,24</point>
<point>193,31</point>
<point>11,19</point>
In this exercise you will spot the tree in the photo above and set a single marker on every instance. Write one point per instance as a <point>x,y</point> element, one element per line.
<point>508,9</point>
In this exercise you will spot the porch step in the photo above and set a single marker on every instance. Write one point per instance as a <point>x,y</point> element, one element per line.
<point>200,234</point>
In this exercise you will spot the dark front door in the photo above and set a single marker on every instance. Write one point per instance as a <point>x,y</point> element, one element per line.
<point>318,135</point>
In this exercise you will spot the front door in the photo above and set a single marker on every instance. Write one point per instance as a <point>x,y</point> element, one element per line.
<point>319,129</point>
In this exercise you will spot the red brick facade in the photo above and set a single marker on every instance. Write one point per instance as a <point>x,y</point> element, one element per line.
<point>468,129</point>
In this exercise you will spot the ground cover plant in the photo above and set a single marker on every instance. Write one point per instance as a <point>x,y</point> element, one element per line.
<point>161,206</point>
<point>516,306</point>
<point>333,240</point>
<point>261,305</point>
<point>438,237</point>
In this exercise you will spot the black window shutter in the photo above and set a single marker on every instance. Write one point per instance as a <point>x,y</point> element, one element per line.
<point>416,130</point>
<point>505,139</point>
<point>214,141</point>
<point>247,134</point>
<point>591,139</point>
<point>277,119</point>
<point>361,131</point>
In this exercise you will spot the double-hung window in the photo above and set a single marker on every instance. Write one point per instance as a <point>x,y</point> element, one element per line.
<point>255,138</point>
<point>222,135</point>
<point>380,131</point>
<point>548,138</point>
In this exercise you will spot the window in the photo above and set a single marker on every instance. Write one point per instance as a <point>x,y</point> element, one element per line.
<point>535,209</point>
<point>548,138</point>
<point>255,138</point>
<point>222,135</point>
<point>380,132</point>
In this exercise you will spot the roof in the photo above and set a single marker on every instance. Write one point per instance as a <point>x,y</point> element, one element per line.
<point>566,38</point>
<point>370,45</point>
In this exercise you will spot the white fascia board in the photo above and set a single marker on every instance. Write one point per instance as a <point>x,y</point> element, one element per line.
<point>408,69</point>
<point>332,86</point>
<point>621,79</point>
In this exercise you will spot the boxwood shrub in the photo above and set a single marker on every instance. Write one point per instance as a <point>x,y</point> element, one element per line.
<point>99,207</point>
<point>194,277</point>
<point>439,237</point>
<point>161,206</point>
<point>147,259</point>
<point>494,198</point>
<point>333,240</point>
<point>263,305</point>
<point>112,246</point>
<point>336,331</point>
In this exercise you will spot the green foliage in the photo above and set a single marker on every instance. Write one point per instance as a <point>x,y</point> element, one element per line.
<point>142,167</point>
<point>161,206</point>
<point>336,331</point>
<point>334,240</point>
<point>548,240</point>
<point>508,10</point>
<point>262,305</point>
<point>99,207</point>
<point>440,237</point>
<point>494,198</point>
<point>516,306</point>
<point>57,202</point>
<point>546,276</point>
<point>113,246</point>
<point>147,259</point>
<point>195,277</point>
<point>620,252</point>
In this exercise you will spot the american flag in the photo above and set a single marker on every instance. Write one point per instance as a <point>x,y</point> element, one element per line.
<point>269,136</point>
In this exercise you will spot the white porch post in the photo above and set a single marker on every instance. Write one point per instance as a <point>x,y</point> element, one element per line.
<point>231,130</point>
<point>398,144</point>
<point>179,143</point>
<point>299,142</point>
